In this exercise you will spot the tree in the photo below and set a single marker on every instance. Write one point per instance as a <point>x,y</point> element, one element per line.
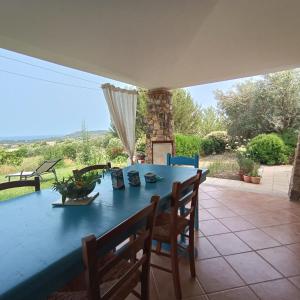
<point>211,120</point>
<point>186,113</point>
<point>271,104</point>
<point>189,117</point>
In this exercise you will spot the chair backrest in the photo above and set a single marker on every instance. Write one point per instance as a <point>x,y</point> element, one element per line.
<point>143,223</point>
<point>46,166</point>
<point>183,160</point>
<point>21,183</point>
<point>184,199</point>
<point>82,171</point>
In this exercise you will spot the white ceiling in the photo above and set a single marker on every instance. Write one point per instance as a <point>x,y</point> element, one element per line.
<point>157,43</point>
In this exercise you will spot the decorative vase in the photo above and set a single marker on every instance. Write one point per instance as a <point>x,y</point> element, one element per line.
<point>255,179</point>
<point>247,178</point>
<point>117,178</point>
<point>134,178</point>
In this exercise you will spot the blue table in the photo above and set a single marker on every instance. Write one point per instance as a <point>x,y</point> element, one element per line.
<point>40,246</point>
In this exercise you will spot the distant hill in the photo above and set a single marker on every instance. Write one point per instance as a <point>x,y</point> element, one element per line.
<point>29,139</point>
<point>92,133</point>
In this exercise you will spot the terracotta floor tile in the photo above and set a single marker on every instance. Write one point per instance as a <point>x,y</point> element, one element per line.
<point>285,234</point>
<point>245,210</point>
<point>221,212</point>
<point>215,274</point>
<point>209,203</point>
<point>164,282</point>
<point>237,223</point>
<point>208,188</point>
<point>295,280</point>
<point>242,293</point>
<point>257,239</point>
<point>205,249</point>
<point>203,297</point>
<point>283,259</point>
<point>295,248</point>
<point>252,268</point>
<point>205,215</point>
<point>203,196</point>
<point>212,227</point>
<point>276,290</point>
<point>271,218</point>
<point>153,290</point>
<point>228,243</point>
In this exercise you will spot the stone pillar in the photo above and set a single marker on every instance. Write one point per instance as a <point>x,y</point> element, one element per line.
<point>294,192</point>
<point>159,118</point>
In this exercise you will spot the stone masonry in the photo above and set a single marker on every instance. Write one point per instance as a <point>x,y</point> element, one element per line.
<point>159,119</point>
<point>294,192</point>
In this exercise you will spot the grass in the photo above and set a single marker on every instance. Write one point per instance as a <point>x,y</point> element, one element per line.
<point>30,164</point>
<point>47,181</point>
<point>221,166</point>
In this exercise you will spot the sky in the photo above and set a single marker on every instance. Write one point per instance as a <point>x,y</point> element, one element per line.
<point>64,98</point>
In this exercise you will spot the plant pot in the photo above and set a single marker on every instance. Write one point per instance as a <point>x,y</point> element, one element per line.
<point>241,175</point>
<point>255,179</point>
<point>140,156</point>
<point>247,178</point>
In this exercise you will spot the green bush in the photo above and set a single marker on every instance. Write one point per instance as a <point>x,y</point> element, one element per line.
<point>69,150</point>
<point>207,146</point>
<point>141,145</point>
<point>14,158</point>
<point>290,138</point>
<point>267,149</point>
<point>187,145</point>
<point>220,140</point>
<point>114,148</point>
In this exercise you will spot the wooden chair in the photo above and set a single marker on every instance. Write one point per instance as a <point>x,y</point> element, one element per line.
<point>183,160</point>
<point>82,171</point>
<point>170,225</point>
<point>21,183</point>
<point>115,274</point>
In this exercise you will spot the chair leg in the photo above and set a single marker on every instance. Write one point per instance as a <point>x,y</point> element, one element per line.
<point>175,269</point>
<point>192,252</point>
<point>145,282</point>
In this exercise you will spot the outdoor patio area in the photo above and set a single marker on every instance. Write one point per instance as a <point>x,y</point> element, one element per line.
<point>248,248</point>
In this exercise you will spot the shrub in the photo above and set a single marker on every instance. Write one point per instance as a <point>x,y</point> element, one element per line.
<point>141,144</point>
<point>114,148</point>
<point>207,146</point>
<point>69,151</point>
<point>267,149</point>
<point>219,140</point>
<point>187,145</point>
<point>14,158</point>
<point>290,138</point>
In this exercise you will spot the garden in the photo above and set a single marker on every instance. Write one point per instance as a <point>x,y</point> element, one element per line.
<point>256,122</point>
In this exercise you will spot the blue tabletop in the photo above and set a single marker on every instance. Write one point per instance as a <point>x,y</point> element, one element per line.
<point>40,247</point>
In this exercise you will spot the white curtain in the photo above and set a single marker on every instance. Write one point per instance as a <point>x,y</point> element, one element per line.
<point>122,108</point>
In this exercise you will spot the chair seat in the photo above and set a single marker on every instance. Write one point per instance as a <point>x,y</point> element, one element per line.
<point>107,281</point>
<point>162,227</point>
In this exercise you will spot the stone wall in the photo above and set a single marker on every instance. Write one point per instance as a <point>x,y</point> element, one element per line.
<point>159,119</point>
<point>294,192</point>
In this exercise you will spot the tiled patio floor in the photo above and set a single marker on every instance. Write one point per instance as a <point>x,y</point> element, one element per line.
<point>248,248</point>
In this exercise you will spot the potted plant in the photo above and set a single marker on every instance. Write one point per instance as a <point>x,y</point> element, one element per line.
<point>76,187</point>
<point>248,165</point>
<point>140,156</point>
<point>255,177</point>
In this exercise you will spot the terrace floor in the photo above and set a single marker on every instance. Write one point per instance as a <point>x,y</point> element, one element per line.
<point>248,248</point>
